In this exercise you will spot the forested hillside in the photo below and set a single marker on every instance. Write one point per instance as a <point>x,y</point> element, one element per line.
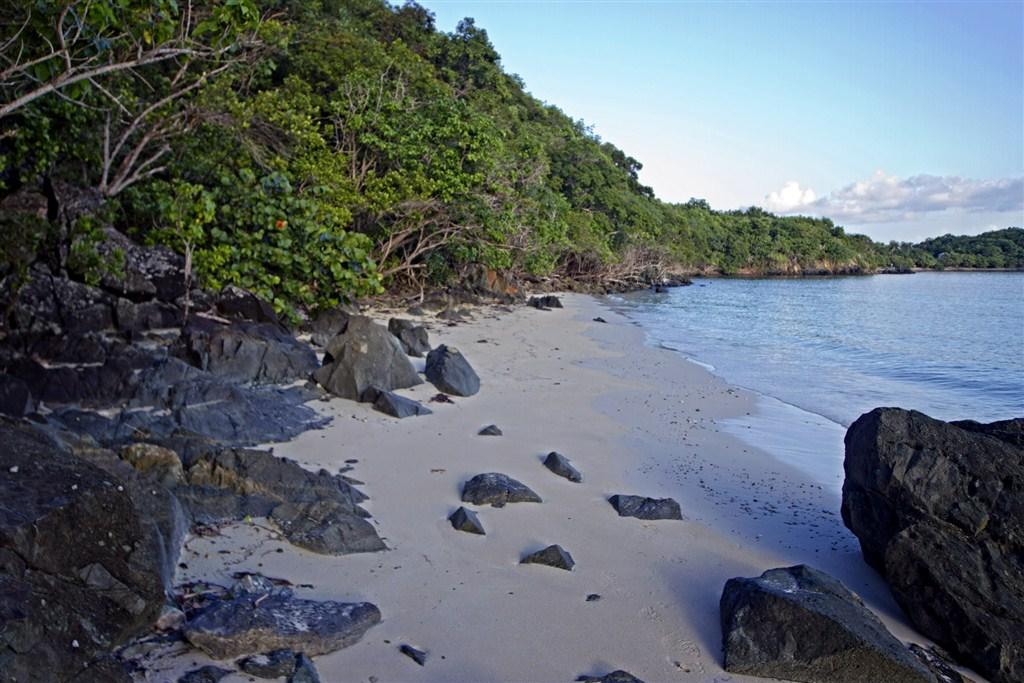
<point>994,249</point>
<point>316,150</point>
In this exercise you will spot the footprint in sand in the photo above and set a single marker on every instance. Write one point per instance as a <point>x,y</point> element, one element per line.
<point>684,654</point>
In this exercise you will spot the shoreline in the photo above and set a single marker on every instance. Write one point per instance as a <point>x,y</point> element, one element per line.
<point>634,419</point>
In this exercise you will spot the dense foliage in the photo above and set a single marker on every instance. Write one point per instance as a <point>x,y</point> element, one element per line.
<point>312,150</point>
<point>994,249</point>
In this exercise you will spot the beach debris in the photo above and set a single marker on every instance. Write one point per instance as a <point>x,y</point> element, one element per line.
<point>560,465</point>
<point>250,624</point>
<point>449,371</point>
<point>441,398</point>
<point>617,676</point>
<point>418,656</point>
<point>798,623</point>
<point>599,319</point>
<point>466,520</point>
<point>545,302</point>
<point>412,337</point>
<point>645,508</point>
<point>273,664</point>
<point>553,556</point>
<point>305,672</point>
<point>365,355</point>
<point>937,508</point>
<point>490,430</point>
<point>593,597</point>
<point>495,489</point>
<point>394,405</point>
<point>205,674</point>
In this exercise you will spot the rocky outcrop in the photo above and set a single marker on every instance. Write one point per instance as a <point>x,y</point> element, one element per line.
<point>365,356</point>
<point>412,337</point>
<point>146,272</point>
<point>645,508</point>
<point>553,556</point>
<point>253,623</point>
<point>560,465</point>
<point>79,573</point>
<point>799,624</point>
<point>939,512</point>
<point>241,304</point>
<point>545,302</point>
<point>496,490</point>
<point>449,371</point>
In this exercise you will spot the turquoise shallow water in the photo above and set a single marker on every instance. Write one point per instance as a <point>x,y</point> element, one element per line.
<point>948,344</point>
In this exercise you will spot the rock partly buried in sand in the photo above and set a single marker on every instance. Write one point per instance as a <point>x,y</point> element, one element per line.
<point>645,508</point>
<point>544,302</point>
<point>79,570</point>
<point>365,355</point>
<point>939,511</point>
<point>418,656</point>
<point>496,490</point>
<point>205,674</point>
<point>449,371</point>
<point>490,430</point>
<point>599,319</point>
<point>560,465</point>
<point>305,672</point>
<point>394,405</point>
<point>617,676</point>
<point>466,520</point>
<point>273,664</point>
<point>253,623</point>
<point>799,624</point>
<point>411,336</point>
<point>553,556</point>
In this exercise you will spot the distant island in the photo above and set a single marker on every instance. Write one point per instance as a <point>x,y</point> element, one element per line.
<point>328,152</point>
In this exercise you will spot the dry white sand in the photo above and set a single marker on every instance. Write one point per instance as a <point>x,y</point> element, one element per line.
<point>634,420</point>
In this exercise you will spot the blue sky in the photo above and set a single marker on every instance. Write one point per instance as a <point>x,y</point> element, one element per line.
<point>900,120</point>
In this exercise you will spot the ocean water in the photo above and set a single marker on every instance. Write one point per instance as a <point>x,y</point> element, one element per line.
<point>824,351</point>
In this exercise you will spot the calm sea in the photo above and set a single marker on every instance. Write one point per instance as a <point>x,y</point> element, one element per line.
<point>948,344</point>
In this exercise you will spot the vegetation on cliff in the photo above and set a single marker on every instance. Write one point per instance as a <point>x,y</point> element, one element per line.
<point>312,150</point>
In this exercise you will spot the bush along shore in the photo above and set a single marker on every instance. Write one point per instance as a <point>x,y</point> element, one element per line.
<point>133,406</point>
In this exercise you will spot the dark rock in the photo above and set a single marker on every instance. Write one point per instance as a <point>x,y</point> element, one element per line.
<point>250,624</point>
<point>305,672</point>
<point>560,465</point>
<point>645,508</point>
<point>148,272</point>
<point>273,664</point>
<point>317,511</point>
<point>466,520</point>
<point>328,325</point>
<point>496,490</point>
<point>399,406</point>
<point>1010,431</point>
<point>799,624</point>
<point>418,656</point>
<point>544,302</point>
<point>241,304</point>
<point>416,310</point>
<point>599,319</point>
<point>365,355</point>
<point>205,674</point>
<point>411,336</point>
<point>553,556</point>
<point>15,397</point>
<point>938,510</point>
<point>593,597</point>
<point>132,318</point>
<point>451,315</point>
<point>450,372</point>
<point>617,676</point>
<point>77,575</point>
<point>490,430</point>
<point>937,661</point>
<point>246,352</point>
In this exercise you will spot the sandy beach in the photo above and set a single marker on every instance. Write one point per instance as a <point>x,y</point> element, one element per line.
<point>634,420</point>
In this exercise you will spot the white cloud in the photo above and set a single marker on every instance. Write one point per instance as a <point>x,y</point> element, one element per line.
<point>883,198</point>
<point>790,198</point>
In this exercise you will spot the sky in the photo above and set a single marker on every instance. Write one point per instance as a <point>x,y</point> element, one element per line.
<point>900,120</point>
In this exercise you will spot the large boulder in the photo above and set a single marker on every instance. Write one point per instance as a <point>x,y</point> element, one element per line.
<point>448,370</point>
<point>939,512</point>
<point>365,355</point>
<point>799,624</point>
<point>496,490</point>
<point>145,273</point>
<point>411,336</point>
<point>642,507</point>
<point>78,575</point>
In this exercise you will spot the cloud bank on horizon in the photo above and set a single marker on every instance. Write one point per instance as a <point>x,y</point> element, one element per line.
<point>884,198</point>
